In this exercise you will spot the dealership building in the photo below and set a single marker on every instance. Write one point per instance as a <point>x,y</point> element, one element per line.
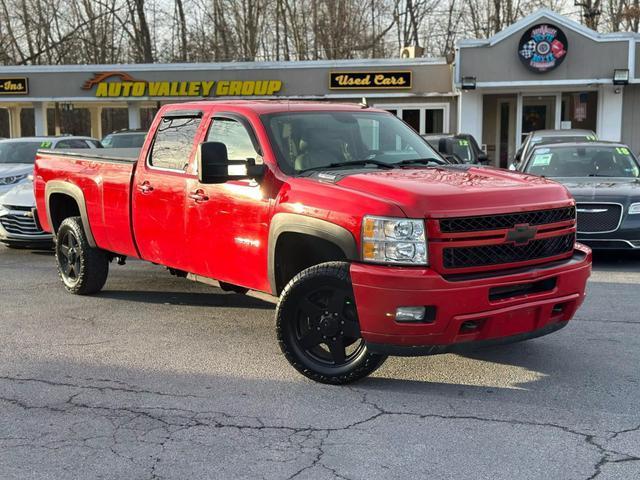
<point>545,71</point>
<point>98,99</point>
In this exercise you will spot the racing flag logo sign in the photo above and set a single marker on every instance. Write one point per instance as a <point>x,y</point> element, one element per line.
<point>543,47</point>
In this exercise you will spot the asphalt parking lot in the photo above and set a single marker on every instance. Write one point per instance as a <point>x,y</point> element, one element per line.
<point>158,377</point>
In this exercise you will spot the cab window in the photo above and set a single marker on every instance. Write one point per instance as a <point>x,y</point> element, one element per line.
<point>72,143</point>
<point>173,143</point>
<point>235,137</point>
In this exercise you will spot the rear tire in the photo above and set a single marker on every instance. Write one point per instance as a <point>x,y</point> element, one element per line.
<point>82,269</point>
<point>318,329</point>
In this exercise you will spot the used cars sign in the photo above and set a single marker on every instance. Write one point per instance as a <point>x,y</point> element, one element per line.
<point>369,80</point>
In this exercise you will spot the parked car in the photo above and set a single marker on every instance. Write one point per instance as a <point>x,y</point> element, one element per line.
<point>374,244</point>
<point>17,155</point>
<point>604,178</point>
<point>462,147</point>
<point>125,139</point>
<point>19,226</point>
<point>546,137</point>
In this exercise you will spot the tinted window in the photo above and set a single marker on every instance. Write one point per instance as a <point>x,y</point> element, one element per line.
<point>309,140</point>
<point>233,134</point>
<point>18,152</point>
<point>72,143</point>
<point>173,143</point>
<point>124,140</point>
<point>583,161</point>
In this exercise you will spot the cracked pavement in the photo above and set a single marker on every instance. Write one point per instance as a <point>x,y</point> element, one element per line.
<point>161,378</point>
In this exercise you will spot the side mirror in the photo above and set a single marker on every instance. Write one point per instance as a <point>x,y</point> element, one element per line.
<point>214,165</point>
<point>443,145</point>
<point>483,159</point>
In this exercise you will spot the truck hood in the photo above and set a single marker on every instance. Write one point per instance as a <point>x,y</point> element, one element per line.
<point>457,190</point>
<point>594,189</point>
<point>20,196</point>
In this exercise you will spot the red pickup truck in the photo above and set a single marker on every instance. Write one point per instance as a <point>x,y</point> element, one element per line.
<point>375,244</point>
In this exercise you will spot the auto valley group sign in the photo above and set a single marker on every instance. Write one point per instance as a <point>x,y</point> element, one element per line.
<point>121,84</point>
<point>542,47</point>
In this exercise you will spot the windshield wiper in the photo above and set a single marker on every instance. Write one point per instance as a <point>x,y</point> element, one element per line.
<point>420,161</point>
<point>355,163</point>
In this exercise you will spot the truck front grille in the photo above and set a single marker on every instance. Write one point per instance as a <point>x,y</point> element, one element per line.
<point>487,255</point>
<point>507,220</point>
<point>20,224</point>
<point>598,217</point>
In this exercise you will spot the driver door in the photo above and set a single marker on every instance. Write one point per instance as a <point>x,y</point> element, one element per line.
<point>228,227</point>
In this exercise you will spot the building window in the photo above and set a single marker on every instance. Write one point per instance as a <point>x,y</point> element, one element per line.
<point>72,121</point>
<point>424,119</point>
<point>5,131</point>
<point>579,110</point>
<point>27,122</point>
<point>114,119</point>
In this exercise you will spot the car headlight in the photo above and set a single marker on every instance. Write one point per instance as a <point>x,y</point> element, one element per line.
<point>634,208</point>
<point>13,179</point>
<point>399,241</point>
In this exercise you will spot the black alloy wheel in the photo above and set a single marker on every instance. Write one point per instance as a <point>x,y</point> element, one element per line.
<point>318,327</point>
<point>327,327</point>
<point>69,258</point>
<point>83,269</point>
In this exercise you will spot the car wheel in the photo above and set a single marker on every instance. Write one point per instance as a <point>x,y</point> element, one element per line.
<point>82,269</point>
<point>318,329</point>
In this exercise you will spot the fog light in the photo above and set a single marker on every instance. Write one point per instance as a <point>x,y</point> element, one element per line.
<point>410,314</point>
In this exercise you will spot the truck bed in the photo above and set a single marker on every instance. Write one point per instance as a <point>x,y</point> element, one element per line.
<point>104,177</point>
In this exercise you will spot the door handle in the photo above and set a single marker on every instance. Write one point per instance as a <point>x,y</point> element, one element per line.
<point>145,187</point>
<point>198,196</point>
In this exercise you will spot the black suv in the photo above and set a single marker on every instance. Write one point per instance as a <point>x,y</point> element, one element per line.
<point>460,148</point>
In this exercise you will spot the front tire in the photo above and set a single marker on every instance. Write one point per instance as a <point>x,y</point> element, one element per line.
<point>318,329</point>
<point>82,269</point>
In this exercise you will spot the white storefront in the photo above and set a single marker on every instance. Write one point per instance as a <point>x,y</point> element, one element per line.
<point>544,72</point>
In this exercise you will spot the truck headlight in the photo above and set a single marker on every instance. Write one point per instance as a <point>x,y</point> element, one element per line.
<point>399,241</point>
<point>634,208</point>
<point>12,180</point>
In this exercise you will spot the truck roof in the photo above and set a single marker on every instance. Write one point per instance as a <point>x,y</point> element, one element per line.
<point>275,106</point>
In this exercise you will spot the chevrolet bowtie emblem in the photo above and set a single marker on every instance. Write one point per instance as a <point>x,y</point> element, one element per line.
<point>521,234</point>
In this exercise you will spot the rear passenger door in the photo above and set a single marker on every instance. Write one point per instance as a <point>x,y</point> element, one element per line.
<point>159,191</point>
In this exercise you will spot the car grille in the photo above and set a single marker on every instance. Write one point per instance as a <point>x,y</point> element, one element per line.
<point>598,217</point>
<point>508,220</point>
<point>486,255</point>
<point>20,224</point>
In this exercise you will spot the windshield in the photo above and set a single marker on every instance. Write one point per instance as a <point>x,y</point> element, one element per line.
<point>583,161</point>
<point>124,140</point>
<point>562,139</point>
<point>462,149</point>
<point>18,152</point>
<point>316,140</point>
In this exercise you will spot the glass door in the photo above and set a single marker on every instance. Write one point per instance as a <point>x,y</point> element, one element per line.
<point>538,113</point>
